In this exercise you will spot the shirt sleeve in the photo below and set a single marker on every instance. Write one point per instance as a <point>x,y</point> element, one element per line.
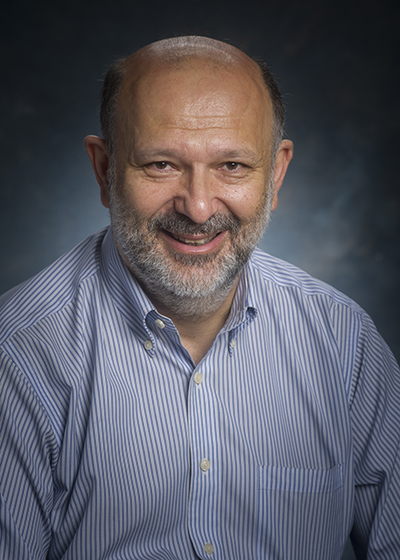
<point>375,417</point>
<point>27,453</point>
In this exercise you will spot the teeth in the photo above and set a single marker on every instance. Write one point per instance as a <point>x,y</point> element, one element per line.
<point>195,242</point>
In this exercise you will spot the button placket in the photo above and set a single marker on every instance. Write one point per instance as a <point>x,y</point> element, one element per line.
<point>203,482</point>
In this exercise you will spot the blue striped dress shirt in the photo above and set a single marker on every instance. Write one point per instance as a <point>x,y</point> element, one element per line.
<point>115,445</point>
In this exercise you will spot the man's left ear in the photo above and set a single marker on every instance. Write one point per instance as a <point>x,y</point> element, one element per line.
<point>282,160</point>
<point>98,154</point>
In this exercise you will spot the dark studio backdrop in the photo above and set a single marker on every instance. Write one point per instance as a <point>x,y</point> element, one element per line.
<point>337,65</point>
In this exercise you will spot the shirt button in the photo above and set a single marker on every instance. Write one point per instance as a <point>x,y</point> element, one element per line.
<point>205,465</point>
<point>198,378</point>
<point>233,344</point>
<point>148,345</point>
<point>208,547</point>
<point>160,324</point>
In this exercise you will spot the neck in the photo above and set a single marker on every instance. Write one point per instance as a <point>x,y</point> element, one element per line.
<point>199,330</point>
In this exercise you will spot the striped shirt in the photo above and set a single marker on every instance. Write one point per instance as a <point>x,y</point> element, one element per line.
<point>115,445</point>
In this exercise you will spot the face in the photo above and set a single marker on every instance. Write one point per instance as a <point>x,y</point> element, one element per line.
<point>192,183</point>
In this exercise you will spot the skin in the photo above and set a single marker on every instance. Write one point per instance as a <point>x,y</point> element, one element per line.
<point>195,138</point>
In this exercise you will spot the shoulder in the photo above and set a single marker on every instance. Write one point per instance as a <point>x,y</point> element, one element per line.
<point>273,273</point>
<point>318,319</point>
<point>306,306</point>
<point>50,291</point>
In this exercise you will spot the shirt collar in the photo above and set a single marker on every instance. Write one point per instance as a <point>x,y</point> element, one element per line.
<point>127,295</point>
<point>244,307</point>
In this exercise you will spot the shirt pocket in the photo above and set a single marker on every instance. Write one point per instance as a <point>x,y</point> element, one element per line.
<point>300,513</point>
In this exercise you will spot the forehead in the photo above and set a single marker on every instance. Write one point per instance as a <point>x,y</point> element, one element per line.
<point>193,93</point>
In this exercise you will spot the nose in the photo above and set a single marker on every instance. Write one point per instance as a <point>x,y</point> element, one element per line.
<point>196,198</point>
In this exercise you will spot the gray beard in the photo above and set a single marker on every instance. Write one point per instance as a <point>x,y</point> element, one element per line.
<point>191,286</point>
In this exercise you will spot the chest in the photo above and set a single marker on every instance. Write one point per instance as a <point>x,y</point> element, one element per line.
<point>178,448</point>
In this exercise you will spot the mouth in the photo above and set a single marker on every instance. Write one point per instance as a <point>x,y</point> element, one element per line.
<point>193,240</point>
<point>199,243</point>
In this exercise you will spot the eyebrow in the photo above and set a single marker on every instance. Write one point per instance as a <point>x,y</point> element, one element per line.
<point>149,154</point>
<point>239,154</point>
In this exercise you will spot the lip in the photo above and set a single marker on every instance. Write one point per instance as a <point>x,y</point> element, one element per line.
<point>194,249</point>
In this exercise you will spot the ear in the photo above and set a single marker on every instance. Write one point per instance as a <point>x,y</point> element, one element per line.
<point>282,160</point>
<point>98,154</point>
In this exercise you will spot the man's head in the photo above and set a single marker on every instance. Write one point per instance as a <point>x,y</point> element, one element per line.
<point>190,167</point>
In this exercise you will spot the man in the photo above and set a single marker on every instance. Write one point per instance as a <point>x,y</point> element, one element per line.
<point>171,392</point>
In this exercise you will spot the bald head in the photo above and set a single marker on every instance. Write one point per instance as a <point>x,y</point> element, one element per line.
<point>176,54</point>
<point>178,49</point>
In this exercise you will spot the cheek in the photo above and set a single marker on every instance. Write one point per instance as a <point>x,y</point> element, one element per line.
<point>148,199</point>
<point>247,204</point>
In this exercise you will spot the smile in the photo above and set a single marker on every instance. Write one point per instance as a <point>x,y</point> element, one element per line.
<point>194,244</point>
<point>194,240</point>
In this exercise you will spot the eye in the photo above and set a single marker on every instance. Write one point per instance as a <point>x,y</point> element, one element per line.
<point>160,165</point>
<point>157,167</point>
<point>233,166</point>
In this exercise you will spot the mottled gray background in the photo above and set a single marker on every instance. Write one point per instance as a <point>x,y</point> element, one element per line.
<point>337,65</point>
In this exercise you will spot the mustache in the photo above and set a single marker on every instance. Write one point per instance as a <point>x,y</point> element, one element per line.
<point>181,224</point>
